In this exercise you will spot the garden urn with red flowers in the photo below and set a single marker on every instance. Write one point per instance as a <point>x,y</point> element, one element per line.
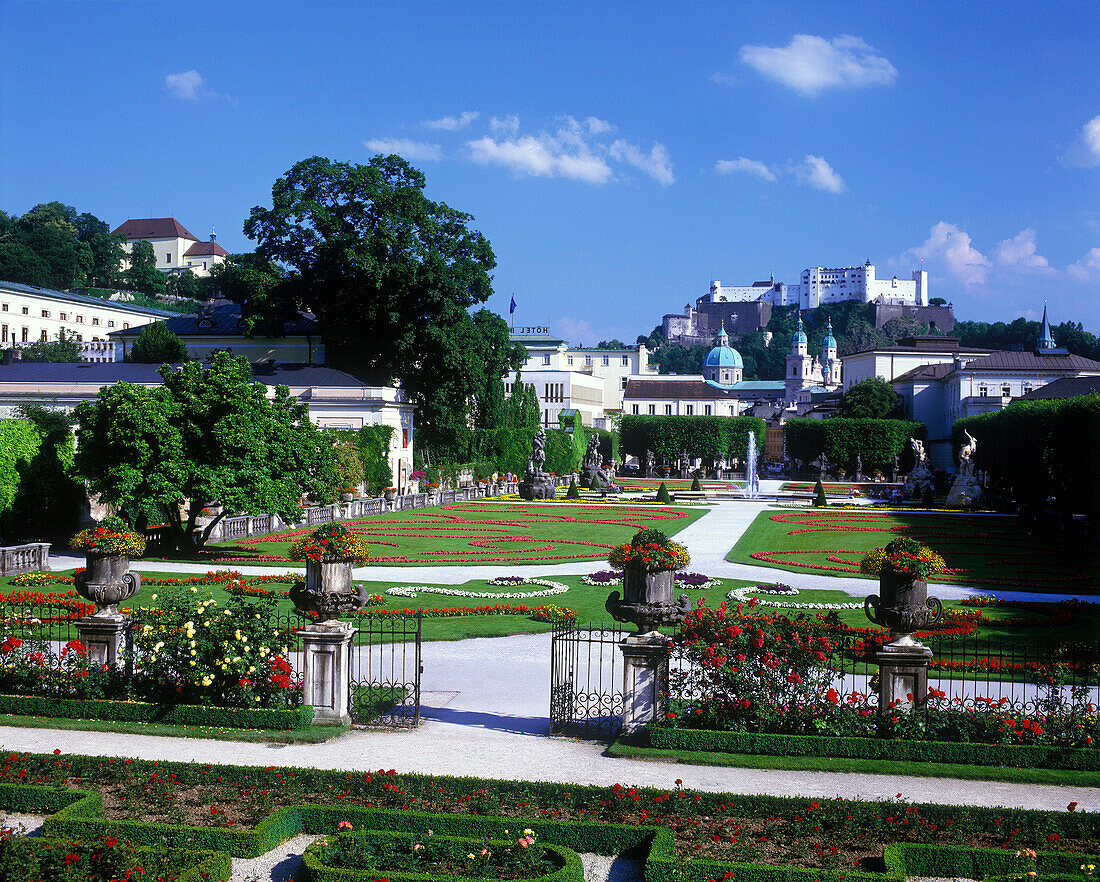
<point>329,552</point>
<point>106,579</point>
<point>902,604</point>
<point>649,563</point>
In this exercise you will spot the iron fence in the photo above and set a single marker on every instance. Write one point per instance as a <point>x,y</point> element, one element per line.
<point>586,679</point>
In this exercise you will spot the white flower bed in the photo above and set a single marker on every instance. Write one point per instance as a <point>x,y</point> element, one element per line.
<point>741,595</point>
<point>588,580</point>
<point>551,589</point>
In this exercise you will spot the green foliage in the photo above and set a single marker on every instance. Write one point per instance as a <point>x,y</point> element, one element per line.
<point>521,409</point>
<point>873,398</point>
<point>1024,334</point>
<point>609,444</point>
<point>54,247</point>
<point>572,492</point>
<point>662,494</point>
<point>347,459</point>
<point>142,275</point>
<point>695,486</point>
<point>819,495</point>
<point>710,438</point>
<point>674,358</point>
<point>208,433</point>
<point>156,344</point>
<point>563,451</point>
<point>1010,755</point>
<point>19,443</point>
<point>48,499</point>
<point>509,449</point>
<point>64,349</point>
<point>1032,450</point>
<point>876,441</point>
<point>186,284</point>
<point>374,453</point>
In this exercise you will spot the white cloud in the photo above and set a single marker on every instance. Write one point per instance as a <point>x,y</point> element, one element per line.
<point>411,150</point>
<point>576,331</point>
<point>507,126</point>
<point>1020,251</point>
<point>656,163</point>
<point>452,123</point>
<point>749,166</point>
<point>186,85</point>
<point>1087,268</point>
<point>815,172</point>
<point>1086,149</point>
<point>575,150</point>
<point>950,247</point>
<point>812,64</point>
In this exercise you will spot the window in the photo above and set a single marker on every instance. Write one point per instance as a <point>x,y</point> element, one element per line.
<point>588,360</point>
<point>45,313</point>
<point>652,409</point>
<point>626,361</point>
<point>4,334</point>
<point>4,307</point>
<point>983,391</point>
<point>1006,391</point>
<point>606,361</point>
<point>570,359</point>
<point>623,381</point>
<point>125,325</point>
<point>26,310</point>
<point>95,321</point>
<point>110,324</point>
<point>546,359</point>
<point>634,408</point>
<point>79,338</point>
<point>44,336</point>
<point>668,410</point>
<point>168,257</point>
<point>733,410</point>
<point>690,410</point>
<point>204,264</point>
<point>26,331</point>
<point>706,410</point>
<point>64,316</point>
<point>80,319</point>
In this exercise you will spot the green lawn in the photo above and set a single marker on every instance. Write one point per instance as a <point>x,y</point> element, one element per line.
<point>983,550</point>
<point>483,531</point>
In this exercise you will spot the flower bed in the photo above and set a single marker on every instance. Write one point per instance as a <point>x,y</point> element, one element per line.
<point>246,811</point>
<point>550,588</point>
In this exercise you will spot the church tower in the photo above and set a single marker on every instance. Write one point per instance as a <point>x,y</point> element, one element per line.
<point>799,363</point>
<point>723,365</point>
<point>830,364</point>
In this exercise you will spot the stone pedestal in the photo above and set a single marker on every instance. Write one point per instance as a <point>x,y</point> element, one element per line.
<point>902,672</point>
<point>645,680</point>
<point>326,647</point>
<point>537,485</point>
<point>966,492</point>
<point>102,635</point>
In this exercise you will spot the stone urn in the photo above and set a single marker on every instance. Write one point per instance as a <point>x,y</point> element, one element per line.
<point>903,606</point>
<point>106,582</point>
<point>648,599</point>
<point>347,497</point>
<point>328,591</point>
<point>390,495</point>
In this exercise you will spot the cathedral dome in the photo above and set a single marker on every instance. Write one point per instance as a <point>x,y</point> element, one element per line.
<point>723,355</point>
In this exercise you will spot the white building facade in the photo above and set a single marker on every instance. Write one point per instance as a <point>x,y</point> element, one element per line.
<point>176,249</point>
<point>819,286</point>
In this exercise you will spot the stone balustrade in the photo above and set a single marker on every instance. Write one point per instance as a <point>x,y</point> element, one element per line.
<point>29,558</point>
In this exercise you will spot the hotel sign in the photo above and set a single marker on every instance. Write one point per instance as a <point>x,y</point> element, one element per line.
<point>532,331</point>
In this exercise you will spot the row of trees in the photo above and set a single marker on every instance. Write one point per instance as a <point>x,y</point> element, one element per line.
<point>876,441</point>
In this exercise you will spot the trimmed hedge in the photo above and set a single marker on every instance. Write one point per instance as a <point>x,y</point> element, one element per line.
<point>1020,756</point>
<point>145,712</point>
<point>710,438</point>
<point>569,868</point>
<point>191,865</point>
<point>915,859</point>
<point>876,441</point>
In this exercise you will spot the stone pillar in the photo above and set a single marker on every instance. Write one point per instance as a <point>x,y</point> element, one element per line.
<point>902,671</point>
<point>645,680</point>
<point>102,636</point>
<point>326,647</point>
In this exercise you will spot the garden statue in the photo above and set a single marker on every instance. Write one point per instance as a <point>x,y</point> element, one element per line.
<point>919,483</point>
<point>822,466</point>
<point>894,469</point>
<point>859,467</point>
<point>966,492</point>
<point>685,464</point>
<point>650,464</point>
<point>593,474</point>
<point>536,484</point>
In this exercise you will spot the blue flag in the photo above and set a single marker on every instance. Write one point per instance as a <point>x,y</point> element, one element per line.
<point>512,308</point>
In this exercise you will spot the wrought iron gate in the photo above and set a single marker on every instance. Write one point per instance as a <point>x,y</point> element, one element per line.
<point>384,687</point>
<point>586,680</point>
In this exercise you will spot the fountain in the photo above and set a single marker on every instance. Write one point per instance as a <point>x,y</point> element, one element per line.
<point>751,489</point>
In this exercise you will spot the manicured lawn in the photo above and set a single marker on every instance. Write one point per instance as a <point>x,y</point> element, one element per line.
<point>674,484</point>
<point>985,550</point>
<point>483,532</point>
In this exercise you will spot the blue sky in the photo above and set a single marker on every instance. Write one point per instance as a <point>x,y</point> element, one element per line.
<point>617,155</point>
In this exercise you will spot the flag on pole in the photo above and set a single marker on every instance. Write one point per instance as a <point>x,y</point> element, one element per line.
<point>512,308</point>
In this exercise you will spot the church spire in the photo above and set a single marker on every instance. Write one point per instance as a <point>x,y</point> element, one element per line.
<point>1046,338</point>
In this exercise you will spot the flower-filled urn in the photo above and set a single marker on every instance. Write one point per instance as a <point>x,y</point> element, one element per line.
<point>329,552</point>
<point>106,579</point>
<point>649,563</point>
<point>902,604</point>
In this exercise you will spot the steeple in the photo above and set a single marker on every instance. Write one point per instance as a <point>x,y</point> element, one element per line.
<point>1046,338</point>
<point>723,337</point>
<point>799,341</point>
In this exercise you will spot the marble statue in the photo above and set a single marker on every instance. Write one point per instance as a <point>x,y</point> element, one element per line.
<point>966,492</point>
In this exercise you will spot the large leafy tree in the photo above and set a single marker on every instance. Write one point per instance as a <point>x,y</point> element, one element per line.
<point>208,434</point>
<point>156,344</point>
<point>142,274</point>
<point>390,276</point>
<point>873,398</point>
<point>65,348</point>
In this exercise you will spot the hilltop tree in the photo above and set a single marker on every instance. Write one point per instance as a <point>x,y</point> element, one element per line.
<point>208,435</point>
<point>143,275</point>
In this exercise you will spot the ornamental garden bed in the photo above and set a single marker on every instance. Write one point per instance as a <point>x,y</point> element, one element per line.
<point>995,551</point>
<point>286,719</point>
<point>246,811</point>
<point>479,532</point>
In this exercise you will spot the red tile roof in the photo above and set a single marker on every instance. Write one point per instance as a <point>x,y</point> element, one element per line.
<point>206,249</point>
<point>675,389</point>
<point>155,228</point>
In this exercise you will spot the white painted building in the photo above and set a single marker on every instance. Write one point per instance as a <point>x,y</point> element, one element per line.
<point>890,362</point>
<point>591,381</point>
<point>175,248</point>
<point>819,286</point>
<point>29,314</point>
<point>335,400</point>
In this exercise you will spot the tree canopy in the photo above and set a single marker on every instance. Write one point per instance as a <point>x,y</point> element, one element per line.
<point>207,435</point>
<point>390,276</point>
<point>64,349</point>
<point>142,275</point>
<point>873,398</point>
<point>53,246</point>
<point>156,344</point>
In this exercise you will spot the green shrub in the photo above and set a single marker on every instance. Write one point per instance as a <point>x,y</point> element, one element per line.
<point>662,494</point>
<point>572,492</point>
<point>710,438</point>
<point>819,494</point>
<point>146,712</point>
<point>695,487</point>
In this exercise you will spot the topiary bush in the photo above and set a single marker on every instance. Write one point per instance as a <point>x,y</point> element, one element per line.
<point>662,494</point>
